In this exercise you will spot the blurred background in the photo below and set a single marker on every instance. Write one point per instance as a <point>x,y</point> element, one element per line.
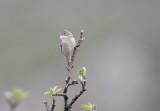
<point>121,52</point>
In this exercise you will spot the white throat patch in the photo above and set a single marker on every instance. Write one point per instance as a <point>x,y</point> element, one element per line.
<point>63,37</point>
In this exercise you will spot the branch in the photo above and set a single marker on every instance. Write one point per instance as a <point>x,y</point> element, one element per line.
<point>47,107</point>
<point>73,83</point>
<point>13,104</point>
<point>53,105</point>
<point>69,84</point>
<point>67,107</point>
<point>81,39</point>
<point>77,96</point>
<point>65,98</point>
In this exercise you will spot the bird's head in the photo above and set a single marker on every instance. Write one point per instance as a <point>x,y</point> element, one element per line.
<point>65,34</point>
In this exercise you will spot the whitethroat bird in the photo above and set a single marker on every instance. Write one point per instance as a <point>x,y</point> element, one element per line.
<point>67,45</point>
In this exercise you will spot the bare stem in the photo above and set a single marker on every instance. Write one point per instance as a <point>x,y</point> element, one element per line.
<point>77,96</point>
<point>53,105</point>
<point>13,104</point>
<point>46,105</point>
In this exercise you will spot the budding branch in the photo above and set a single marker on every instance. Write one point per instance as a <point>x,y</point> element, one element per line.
<point>68,106</point>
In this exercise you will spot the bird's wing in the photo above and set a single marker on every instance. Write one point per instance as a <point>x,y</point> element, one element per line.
<point>61,47</point>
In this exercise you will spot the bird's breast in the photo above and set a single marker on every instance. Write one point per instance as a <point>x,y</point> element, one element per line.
<point>67,47</point>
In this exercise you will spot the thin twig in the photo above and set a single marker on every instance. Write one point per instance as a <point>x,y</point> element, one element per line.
<point>59,95</point>
<point>13,107</point>
<point>53,105</point>
<point>73,83</point>
<point>65,98</point>
<point>46,105</point>
<point>67,82</point>
<point>81,39</point>
<point>13,104</point>
<point>77,96</point>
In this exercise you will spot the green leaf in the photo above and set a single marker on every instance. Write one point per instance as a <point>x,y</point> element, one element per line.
<point>79,72</point>
<point>87,106</point>
<point>83,69</point>
<point>55,87</point>
<point>24,96</point>
<point>90,106</point>
<point>46,93</point>
<point>51,91</point>
<point>58,90</point>
<point>16,93</point>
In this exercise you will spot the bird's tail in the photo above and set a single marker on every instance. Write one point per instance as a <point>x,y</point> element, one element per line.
<point>68,58</point>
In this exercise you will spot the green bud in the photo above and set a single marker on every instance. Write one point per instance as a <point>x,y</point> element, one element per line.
<point>17,94</point>
<point>82,71</point>
<point>53,91</point>
<point>24,95</point>
<point>90,106</point>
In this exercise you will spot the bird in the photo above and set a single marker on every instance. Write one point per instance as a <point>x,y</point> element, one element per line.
<point>67,45</point>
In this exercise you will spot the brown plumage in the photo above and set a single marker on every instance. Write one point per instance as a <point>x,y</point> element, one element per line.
<point>67,44</point>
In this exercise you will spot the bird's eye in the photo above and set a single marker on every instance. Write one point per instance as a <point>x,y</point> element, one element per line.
<point>64,33</point>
